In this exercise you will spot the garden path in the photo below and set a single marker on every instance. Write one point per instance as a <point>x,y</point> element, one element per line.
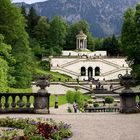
<point>97,126</point>
<point>60,110</point>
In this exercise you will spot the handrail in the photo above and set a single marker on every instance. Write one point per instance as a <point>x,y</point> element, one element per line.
<point>102,109</point>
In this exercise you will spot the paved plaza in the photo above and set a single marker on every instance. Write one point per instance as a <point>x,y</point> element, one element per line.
<point>97,126</point>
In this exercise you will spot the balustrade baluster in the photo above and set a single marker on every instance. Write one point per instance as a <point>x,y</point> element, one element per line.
<point>6,102</point>
<point>20,102</point>
<point>28,104</point>
<point>13,104</point>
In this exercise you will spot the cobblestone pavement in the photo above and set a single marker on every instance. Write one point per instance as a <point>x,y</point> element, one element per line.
<point>97,126</point>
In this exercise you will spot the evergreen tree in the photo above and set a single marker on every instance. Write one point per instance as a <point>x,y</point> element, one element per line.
<point>23,11</point>
<point>32,20</point>
<point>134,53</point>
<point>128,34</point>
<point>41,31</point>
<point>111,45</point>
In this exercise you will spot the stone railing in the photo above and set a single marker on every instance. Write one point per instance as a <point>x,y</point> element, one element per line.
<point>21,102</point>
<point>102,109</point>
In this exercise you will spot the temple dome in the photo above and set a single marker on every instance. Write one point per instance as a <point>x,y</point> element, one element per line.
<point>81,35</point>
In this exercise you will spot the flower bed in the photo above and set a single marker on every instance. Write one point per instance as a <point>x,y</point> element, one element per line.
<point>38,129</point>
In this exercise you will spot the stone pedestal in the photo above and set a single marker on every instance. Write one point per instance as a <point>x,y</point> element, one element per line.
<point>128,102</point>
<point>127,96</point>
<point>42,102</point>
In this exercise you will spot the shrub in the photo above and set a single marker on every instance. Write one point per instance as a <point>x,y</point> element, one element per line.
<point>109,100</point>
<point>70,96</point>
<point>96,105</point>
<point>77,96</point>
<point>45,65</point>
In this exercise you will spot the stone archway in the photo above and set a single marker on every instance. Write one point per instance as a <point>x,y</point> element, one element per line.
<point>90,72</point>
<point>83,71</point>
<point>97,71</point>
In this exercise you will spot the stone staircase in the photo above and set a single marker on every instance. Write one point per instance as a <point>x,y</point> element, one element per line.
<point>100,60</point>
<point>62,68</point>
<point>109,63</point>
<point>70,63</point>
<point>65,71</point>
<point>115,70</point>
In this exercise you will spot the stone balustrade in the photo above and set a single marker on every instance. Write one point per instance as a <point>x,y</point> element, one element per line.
<point>24,102</point>
<point>101,109</point>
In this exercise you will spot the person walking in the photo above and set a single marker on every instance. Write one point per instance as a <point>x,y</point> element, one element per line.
<point>75,107</point>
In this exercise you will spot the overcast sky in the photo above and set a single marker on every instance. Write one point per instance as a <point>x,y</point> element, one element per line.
<point>28,1</point>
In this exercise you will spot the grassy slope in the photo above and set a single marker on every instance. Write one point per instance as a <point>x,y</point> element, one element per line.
<point>55,75</point>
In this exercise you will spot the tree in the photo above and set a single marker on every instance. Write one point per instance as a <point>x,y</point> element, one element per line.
<point>39,40</point>
<point>98,43</point>
<point>111,45</point>
<point>73,96</point>
<point>70,97</point>
<point>134,54</point>
<point>6,60</point>
<point>130,38</point>
<point>109,100</point>
<point>128,31</point>
<point>12,26</point>
<point>32,20</point>
<point>5,54</point>
<point>41,31</point>
<point>58,32</point>
<point>23,11</point>
<point>3,75</point>
<point>37,49</point>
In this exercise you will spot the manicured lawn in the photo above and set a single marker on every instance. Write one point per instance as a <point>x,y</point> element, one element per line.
<point>56,75</point>
<point>61,100</point>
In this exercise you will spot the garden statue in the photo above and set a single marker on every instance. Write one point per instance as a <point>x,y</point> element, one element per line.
<point>43,82</point>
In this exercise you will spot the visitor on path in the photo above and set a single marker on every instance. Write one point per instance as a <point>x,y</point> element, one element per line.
<point>111,87</point>
<point>75,107</point>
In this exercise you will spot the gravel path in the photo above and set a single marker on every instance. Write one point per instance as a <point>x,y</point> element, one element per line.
<point>97,126</point>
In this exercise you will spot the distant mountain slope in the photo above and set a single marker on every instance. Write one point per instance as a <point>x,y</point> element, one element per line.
<point>104,16</point>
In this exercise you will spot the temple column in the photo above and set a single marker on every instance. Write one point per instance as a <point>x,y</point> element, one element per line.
<point>77,44</point>
<point>81,41</point>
